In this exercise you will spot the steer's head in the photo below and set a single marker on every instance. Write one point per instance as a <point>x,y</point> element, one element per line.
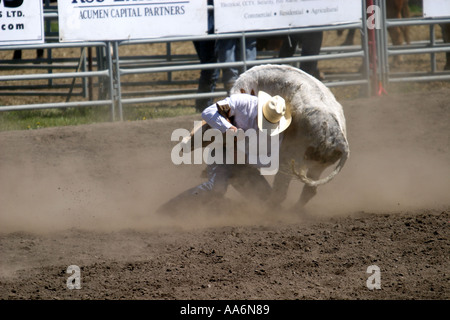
<point>322,141</point>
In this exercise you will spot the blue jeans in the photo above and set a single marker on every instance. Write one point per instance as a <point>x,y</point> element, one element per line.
<point>229,50</point>
<point>208,77</point>
<point>206,52</point>
<point>210,194</point>
<point>310,43</point>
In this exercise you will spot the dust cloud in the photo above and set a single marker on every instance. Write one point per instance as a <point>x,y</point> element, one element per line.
<point>114,176</point>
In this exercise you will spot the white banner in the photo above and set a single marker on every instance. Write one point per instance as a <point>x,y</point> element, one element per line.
<point>21,22</point>
<point>436,8</point>
<point>246,15</point>
<point>124,19</point>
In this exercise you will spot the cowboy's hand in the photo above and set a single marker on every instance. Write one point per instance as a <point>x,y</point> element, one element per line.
<point>233,129</point>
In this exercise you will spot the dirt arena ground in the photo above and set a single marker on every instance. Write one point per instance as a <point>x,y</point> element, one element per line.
<point>87,195</point>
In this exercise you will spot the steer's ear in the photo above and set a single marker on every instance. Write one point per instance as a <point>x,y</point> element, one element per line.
<point>252,92</point>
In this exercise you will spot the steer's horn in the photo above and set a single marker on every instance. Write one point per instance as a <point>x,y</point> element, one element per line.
<point>302,175</point>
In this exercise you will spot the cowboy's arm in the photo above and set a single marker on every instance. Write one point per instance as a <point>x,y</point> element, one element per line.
<point>217,121</point>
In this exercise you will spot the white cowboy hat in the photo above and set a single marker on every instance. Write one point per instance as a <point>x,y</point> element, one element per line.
<point>273,114</point>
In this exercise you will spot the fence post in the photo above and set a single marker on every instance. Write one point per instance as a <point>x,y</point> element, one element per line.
<point>90,68</point>
<point>112,91</point>
<point>116,73</point>
<point>372,50</point>
<point>377,40</point>
<point>365,46</point>
<point>383,49</point>
<point>432,43</point>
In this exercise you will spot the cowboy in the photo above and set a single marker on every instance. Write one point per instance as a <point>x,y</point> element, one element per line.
<point>269,116</point>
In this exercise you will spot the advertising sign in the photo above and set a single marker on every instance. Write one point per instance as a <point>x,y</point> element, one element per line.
<point>436,8</point>
<point>130,19</point>
<point>21,22</point>
<point>247,15</point>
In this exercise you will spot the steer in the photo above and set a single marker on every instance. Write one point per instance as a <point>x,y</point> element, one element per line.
<point>316,138</point>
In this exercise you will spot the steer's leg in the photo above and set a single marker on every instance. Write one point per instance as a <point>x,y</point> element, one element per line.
<point>250,183</point>
<point>279,189</point>
<point>309,192</point>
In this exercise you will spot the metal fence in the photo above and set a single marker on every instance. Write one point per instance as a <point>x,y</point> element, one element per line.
<point>107,70</point>
<point>431,47</point>
<point>191,63</point>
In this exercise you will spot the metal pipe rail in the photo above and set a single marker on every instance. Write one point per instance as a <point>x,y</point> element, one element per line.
<point>358,54</point>
<point>49,64</point>
<point>114,66</point>
<point>353,52</point>
<point>415,21</point>
<point>123,72</point>
<point>396,52</point>
<point>107,73</point>
<point>54,105</point>
<point>43,76</point>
